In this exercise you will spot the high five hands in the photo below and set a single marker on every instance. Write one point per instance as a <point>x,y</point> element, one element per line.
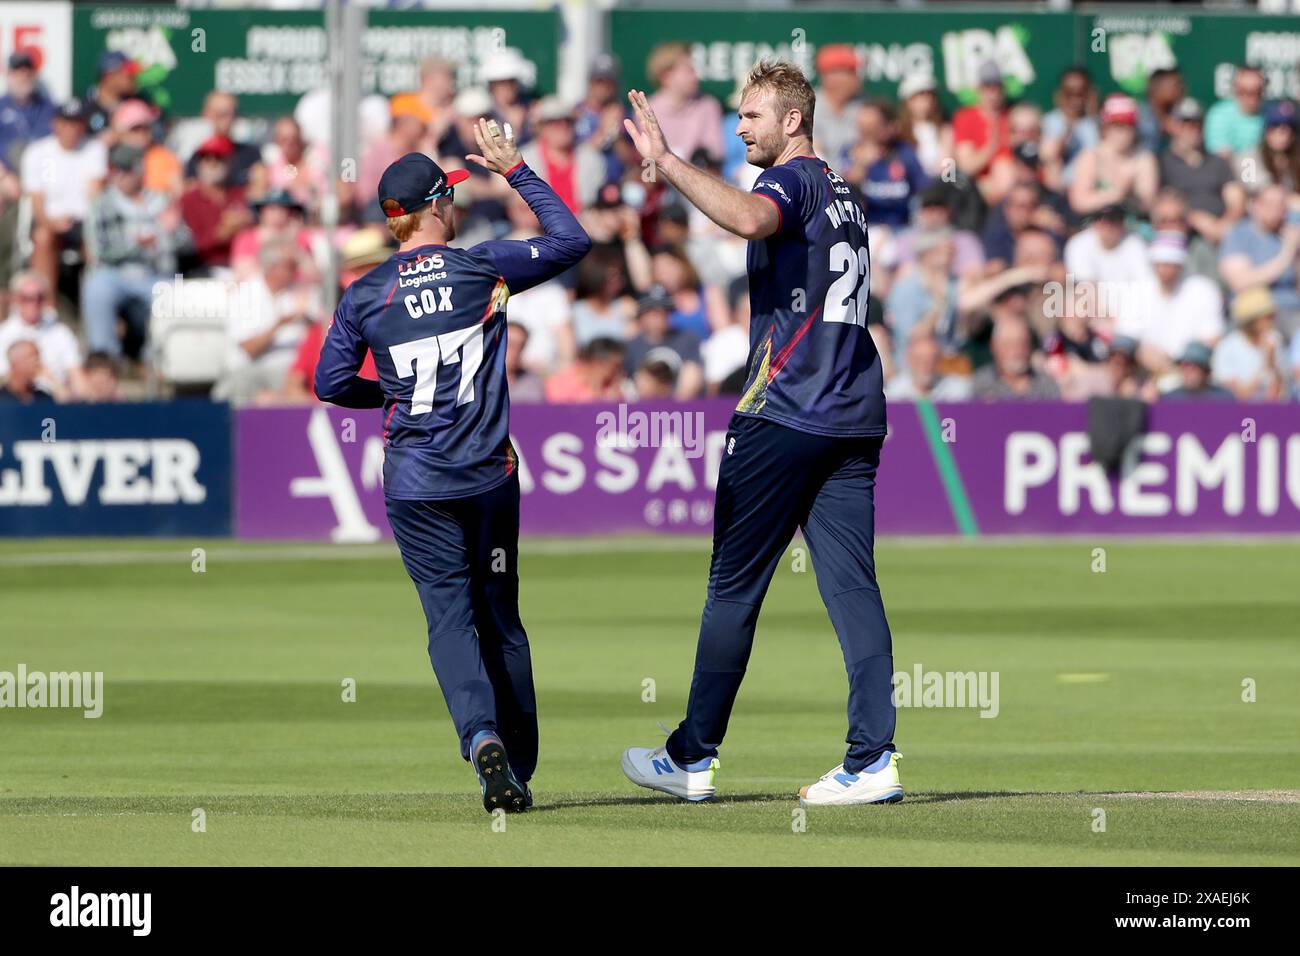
<point>497,148</point>
<point>645,132</point>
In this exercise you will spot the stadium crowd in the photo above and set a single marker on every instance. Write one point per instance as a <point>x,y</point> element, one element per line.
<point>1109,246</point>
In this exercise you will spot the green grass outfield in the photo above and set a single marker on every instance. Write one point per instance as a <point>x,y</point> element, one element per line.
<point>1119,691</point>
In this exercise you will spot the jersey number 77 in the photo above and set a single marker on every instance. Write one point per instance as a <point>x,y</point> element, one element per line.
<point>421,357</point>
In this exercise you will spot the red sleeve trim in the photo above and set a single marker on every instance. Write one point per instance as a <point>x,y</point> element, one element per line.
<point>513,168</point>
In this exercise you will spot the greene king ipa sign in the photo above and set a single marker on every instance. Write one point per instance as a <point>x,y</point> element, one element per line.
<point>1030,47</point>
<point>1122,49</point>
<point>270,58</point>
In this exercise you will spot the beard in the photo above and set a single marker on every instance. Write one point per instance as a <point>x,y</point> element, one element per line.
<point>766,149</point>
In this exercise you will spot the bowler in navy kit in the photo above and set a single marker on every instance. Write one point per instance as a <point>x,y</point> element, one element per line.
<point>435,319</point>
<point>803,446</point>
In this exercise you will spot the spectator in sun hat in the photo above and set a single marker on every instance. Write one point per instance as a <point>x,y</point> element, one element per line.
<point>26,111</point>
<point>214,211</point>
<point>1234,125</point>
<point>471,103</point>
<point>1194,383</point>
<point>839,91</point>
<point>689,119</point>
<point>1170,309</point>
<point>1215,198</point>
<point>507,77</point>
<point>1116,170</point>
<point>921,121</point>
<point>133,125</point>
<point>60,174</point>
<point>1250,360</point>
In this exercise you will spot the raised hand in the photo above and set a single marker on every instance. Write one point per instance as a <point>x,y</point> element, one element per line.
<point>499,151</point>
<point>645,132</point>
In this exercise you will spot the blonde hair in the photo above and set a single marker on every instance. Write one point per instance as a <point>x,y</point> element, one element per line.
<point>790,89</point>
<point>664,57</point>
<point>403,227</point>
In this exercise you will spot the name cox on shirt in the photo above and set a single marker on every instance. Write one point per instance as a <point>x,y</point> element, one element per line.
<point>412,275</point>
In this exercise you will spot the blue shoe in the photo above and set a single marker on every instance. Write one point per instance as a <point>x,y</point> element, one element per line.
<point>501,790</point>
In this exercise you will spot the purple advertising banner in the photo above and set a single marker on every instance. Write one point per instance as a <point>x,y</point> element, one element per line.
<point>1006,468</point>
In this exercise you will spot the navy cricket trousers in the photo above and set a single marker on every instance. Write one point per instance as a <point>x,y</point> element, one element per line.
<point>774,479</point>
<point>463,554</point>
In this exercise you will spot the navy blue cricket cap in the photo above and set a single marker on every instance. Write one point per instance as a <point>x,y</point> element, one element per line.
<point>413,182</point>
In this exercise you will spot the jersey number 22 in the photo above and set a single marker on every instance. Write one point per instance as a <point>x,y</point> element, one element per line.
<point>846,299</point>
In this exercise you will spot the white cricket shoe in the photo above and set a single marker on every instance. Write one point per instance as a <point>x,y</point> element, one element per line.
<point>655,770</point>
<point>876,784</point>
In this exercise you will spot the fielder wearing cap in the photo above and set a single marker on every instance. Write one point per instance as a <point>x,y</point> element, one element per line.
<point>434,318</point>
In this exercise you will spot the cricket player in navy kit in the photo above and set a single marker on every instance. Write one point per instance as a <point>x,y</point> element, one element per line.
<point>435,319</point>
<point>802,448</point>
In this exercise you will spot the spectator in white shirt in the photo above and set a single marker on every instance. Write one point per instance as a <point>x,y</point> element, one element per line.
<point>1106,251</point>
<point>267,327</point>
<point>33,318</point>
<point>1171,309</point>
<point>61,173</point>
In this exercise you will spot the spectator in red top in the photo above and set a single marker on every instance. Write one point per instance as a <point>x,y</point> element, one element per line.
<point>981,132</point>
<point>213,211</point>
<point>596,376</point>
<point>575,171</point>
<point>362,251</point>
